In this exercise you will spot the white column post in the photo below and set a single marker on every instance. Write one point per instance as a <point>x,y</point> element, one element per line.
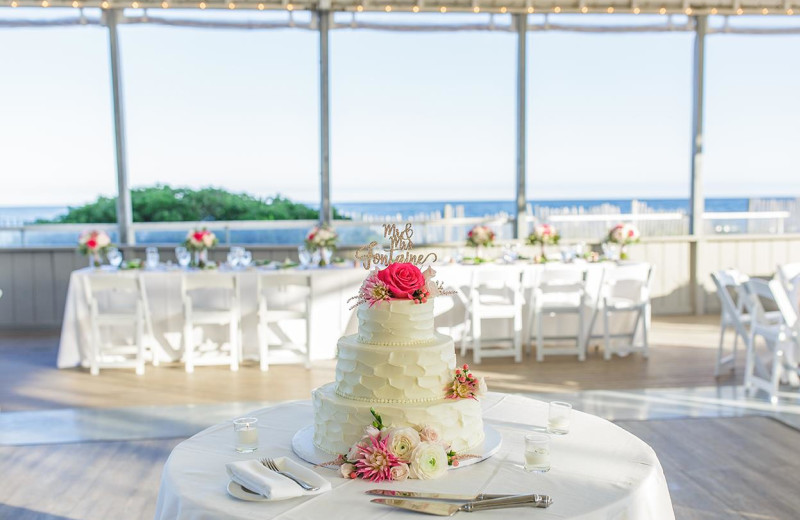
<point>124,208</point>
<point>697,200</point>
<point>521,227</point>
<point>325,208</point>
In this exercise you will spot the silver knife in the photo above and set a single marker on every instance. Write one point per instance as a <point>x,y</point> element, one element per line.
<point>432,496</point>
<point>442,509</point>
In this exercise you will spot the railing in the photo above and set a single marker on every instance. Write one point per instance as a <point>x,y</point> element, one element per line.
<point>433,228</point>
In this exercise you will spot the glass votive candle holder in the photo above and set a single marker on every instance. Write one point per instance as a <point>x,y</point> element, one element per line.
<point>245,431</point>
<point>558,417</point>
<point>537,452</point>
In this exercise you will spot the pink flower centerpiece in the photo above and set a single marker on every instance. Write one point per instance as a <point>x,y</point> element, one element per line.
<point>92,243</point>
<point>623,234</point>
<point>543,235</point>
<point>198,241</point>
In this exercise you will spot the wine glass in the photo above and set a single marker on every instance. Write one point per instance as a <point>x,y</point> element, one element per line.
<point>305,256</point>
<point>233,259</point>
<point>114,256</point>
<point>183,256</point>
<point>246,259</point>
<point>151,257</point>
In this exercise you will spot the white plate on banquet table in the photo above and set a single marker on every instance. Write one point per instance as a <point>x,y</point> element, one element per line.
<point>237,491</point>
<point>303,447</point>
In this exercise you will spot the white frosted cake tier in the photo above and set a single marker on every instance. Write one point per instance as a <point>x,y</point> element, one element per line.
<point>395,322</point>
<point>339,423</point>
<point>398,374</point>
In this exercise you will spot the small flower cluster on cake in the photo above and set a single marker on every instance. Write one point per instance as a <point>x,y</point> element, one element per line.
<point>398,281</point>
<point>465,385</point>
<point>397,453</point>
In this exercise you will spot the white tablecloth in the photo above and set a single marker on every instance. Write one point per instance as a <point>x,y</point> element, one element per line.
<point>599,471</point>
<point>329,314</point>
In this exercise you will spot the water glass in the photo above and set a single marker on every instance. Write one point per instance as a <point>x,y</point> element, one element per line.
<point>114,256</point>
<point>304,256</point>
<point>558,417</point>
<point>183,256</point>
<point>537,452</point>
<point>233,259</point>
<point>245,431</point>
<point>151,257</point>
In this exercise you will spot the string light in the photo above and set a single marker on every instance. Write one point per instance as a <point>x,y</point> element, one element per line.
<point>663,10</point>
<point>260,7</point>
<point>75,4</point>
<point>688,10</point>
<point>105,5</point>
<point>202,5</point>
<point>584,9</point>
<point>530,10</point>
<point>45,3</point>
<point>443,9</point>
<point>636,10</point>
<point>504,9</point>
<point>740,11</point>
<point>790,11</point>
<point>290,7</point>
<point>765,11</point>
<point>714,10</point>
<point>14,3</point>
<point>610,9</point>
<point>388,8</point>
<point>359,8</point>
<point>135,5</point>
<point>164,5</point>
<point>557,9</point>
<point>415,9</point>
<point>476,9</point>
<point>231,5</point>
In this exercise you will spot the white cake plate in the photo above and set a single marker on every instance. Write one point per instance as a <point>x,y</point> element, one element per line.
<point>303,447</point>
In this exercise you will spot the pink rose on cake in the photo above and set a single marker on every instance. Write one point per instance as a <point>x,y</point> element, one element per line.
<point>402,279</point>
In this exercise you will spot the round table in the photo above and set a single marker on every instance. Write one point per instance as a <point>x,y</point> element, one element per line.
<point>599,471</point>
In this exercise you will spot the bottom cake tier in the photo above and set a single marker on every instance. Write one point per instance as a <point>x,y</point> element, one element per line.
<point>339,422</point>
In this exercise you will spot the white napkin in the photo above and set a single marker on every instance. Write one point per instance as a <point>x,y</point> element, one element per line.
<point>255,477</point>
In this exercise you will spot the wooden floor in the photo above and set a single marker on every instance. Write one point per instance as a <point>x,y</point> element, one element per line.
<point>723,468</point>
<point>683,351</point>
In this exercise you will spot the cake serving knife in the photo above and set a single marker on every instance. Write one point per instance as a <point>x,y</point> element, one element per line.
<point>433,496</point>
<point>443,509</point>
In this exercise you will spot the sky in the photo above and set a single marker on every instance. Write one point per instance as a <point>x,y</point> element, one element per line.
<point>415,116</point>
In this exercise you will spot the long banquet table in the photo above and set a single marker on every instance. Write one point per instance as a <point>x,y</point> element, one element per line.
<point>329,312</point>
<point>599,472</point>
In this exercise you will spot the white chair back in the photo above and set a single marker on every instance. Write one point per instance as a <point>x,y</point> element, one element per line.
<point>730,291</point>
<point>97,283</point>
<point>211,291</point>
<point>266,280</point>
<point>628,281</point>
<point>562,275</point>
<point>789,276</point>
<point>784,304</point>
<point>212,280</point>
<point>757,292</point>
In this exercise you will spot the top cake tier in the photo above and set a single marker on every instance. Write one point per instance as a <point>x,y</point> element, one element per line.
<point>396,322</point>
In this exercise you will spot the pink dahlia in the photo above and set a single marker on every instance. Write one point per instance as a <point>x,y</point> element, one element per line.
<point>376,461</point>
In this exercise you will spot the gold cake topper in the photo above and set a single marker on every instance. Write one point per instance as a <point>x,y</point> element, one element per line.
<point>400,246</point>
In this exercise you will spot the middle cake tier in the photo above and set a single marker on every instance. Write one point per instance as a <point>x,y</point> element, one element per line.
<point>396,374</point>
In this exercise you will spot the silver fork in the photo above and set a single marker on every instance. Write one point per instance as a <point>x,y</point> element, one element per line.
<point>270,465</point>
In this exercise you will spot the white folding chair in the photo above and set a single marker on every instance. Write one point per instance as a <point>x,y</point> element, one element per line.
<point>732,314</point>
<point>789,275</point>
<point>296,306</point>
<point>764,372</point>
<point>560,291</point>
<point>626,290</point>
<point>115,300</point>
<point>210,298</point>
<point>495,294</point>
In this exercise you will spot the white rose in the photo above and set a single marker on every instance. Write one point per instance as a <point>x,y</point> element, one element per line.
<point>346,469</point>
<point>400,472</point>
<point>402,441</point>
<point>429,434</point>
<point>208,239</point>
<point>428,461</point>
<point>103,240</point>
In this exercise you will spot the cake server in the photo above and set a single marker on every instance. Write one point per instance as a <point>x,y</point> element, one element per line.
<point>433,496</point>
<point>442,509</point>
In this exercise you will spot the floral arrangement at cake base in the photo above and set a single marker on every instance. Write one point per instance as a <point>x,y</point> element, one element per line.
<point>322,240</point>
<point>623,235</point>
<point>198,241</point>
<point>92,244</point>
<point>480,237</point>
<point>543,235</point>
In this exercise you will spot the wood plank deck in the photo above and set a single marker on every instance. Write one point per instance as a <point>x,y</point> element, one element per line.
<point>683,351</point>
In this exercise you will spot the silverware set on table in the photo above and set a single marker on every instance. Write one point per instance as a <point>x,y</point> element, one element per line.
<point>408,500</point>
<point>431,503</point>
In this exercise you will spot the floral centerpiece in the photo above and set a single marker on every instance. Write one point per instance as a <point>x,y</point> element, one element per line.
<point>322,238</point>
<point>480,236</point>
<point>92,244</point>
<point>623,234</point>
<point>543,235</point>
<point>398,281</point>
<point>198,241</point>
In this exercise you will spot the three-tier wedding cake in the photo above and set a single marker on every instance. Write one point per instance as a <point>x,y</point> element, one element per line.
<point>399,366</point>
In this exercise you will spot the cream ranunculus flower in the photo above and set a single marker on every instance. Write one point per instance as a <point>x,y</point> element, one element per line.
<point>428,461</point>
<point>402,441</point>
<point>400,472</point>
<point>103,240</point>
